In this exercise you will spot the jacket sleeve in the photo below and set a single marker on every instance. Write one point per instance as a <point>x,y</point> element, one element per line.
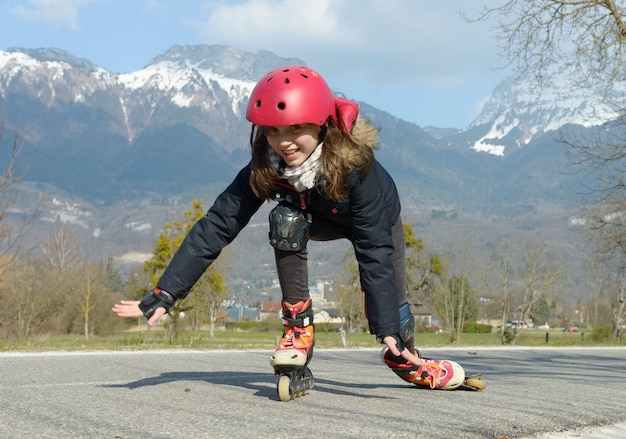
<point>375,207</point>
<point>230,213</point>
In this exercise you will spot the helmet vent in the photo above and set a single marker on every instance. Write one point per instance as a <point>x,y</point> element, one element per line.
<point>281,106</point>
<point>257,104</point>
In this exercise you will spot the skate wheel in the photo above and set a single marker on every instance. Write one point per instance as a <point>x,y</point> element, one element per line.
<point>283,388</point>
<point>475,383</point>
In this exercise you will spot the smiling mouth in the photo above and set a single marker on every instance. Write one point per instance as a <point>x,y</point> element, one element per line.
<point>290,153</point>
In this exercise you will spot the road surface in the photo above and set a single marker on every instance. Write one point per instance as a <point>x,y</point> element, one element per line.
<point>531,393</point>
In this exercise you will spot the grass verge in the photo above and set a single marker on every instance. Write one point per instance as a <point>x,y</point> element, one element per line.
<point>158,338</point>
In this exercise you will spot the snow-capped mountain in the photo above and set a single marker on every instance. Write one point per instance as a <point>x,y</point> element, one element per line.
<point>181,115</point>
<point>118,155</point>
<point>178,123</point>
<point>518,111</point>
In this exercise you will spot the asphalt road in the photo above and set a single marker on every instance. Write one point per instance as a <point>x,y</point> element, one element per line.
<point>220,394</point>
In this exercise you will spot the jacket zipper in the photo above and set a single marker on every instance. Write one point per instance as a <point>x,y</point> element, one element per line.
<point>303,195</point>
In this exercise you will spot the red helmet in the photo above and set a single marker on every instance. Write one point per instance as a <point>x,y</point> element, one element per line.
<point>291,95</point>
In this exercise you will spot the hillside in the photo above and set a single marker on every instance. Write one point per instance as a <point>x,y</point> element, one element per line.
<point>117,156</point>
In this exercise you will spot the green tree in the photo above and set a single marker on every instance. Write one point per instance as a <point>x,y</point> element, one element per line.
<point>419,265</point>
<point>455,303</point>
<point>464,301</point>
<point>423,271</point>
<point>209,290</point>
<point>540,311</point>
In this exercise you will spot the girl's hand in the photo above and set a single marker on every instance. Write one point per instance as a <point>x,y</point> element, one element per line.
<point>406,354</point>
<point>130,308</point>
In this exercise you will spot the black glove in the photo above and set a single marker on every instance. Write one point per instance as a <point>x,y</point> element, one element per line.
<point>399,343</point>
<point>157,299</point>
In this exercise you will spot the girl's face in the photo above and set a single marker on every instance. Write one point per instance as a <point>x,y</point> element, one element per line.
<point>294,143</point>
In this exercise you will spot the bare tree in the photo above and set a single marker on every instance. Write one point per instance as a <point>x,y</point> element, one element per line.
<point>498,280</point>
<point>206,298</point>
<point>452,299</point>
<point>618,312</point>
<point>61,252</point>
<point>519,280</point>
<point>538,276</point>
<point>11,173</point>
<point>586,39</point>
<point>25,302</point>
<point>606,304</point>
<point>585,36</point>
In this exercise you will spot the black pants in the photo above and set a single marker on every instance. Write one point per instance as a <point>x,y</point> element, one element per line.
<point>292,267</point>
<point>293,273</point>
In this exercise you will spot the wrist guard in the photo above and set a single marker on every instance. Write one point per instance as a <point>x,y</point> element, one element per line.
<point>157,299</point>
<point>407,328</point>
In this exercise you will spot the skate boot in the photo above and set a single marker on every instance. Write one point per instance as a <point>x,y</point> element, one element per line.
<point>434,374</point>
<point>295,350</point>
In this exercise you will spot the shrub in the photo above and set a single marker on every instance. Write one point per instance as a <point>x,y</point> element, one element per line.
<point>263,326</point>
<point>477,328</point>
<point>600,334</point>
<point>507,337</point>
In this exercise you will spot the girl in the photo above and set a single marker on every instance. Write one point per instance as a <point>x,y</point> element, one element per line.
<point>314,156</point>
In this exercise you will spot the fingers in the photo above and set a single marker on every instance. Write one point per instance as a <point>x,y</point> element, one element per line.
<point>391,344</point>
<point>158,313</point>
<point>412,357</point>
<point>406,354</point>
<point>127,308</point>
<point>130,308</point>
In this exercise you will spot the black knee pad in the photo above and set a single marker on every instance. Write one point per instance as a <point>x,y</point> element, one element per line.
<point>289,228</point>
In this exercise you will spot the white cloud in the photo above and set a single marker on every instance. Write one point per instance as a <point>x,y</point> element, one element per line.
<point>403,41</point>
<point>416,59</point>
<point>151,6</point>
<point>58,14</point>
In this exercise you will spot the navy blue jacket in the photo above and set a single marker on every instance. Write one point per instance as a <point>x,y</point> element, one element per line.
<point>367,215</point>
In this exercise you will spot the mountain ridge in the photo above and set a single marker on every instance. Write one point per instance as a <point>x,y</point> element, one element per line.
<point>131,148</point>
<point>188,103</point>
<point>176,126</point>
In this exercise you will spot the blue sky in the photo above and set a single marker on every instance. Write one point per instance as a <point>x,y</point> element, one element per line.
<point>418,60</point>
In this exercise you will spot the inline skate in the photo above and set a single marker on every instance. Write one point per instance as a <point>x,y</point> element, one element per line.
<point>295,350</point>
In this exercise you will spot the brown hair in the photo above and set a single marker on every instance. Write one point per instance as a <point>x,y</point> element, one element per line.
<point>342,154</point>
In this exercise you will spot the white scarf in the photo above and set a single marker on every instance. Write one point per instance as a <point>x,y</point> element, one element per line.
<point>301,177</point>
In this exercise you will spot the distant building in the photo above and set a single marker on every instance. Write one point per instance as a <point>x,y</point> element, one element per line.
<point>328,315</point>
<point>242,313</point>
<point>270,310</point>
